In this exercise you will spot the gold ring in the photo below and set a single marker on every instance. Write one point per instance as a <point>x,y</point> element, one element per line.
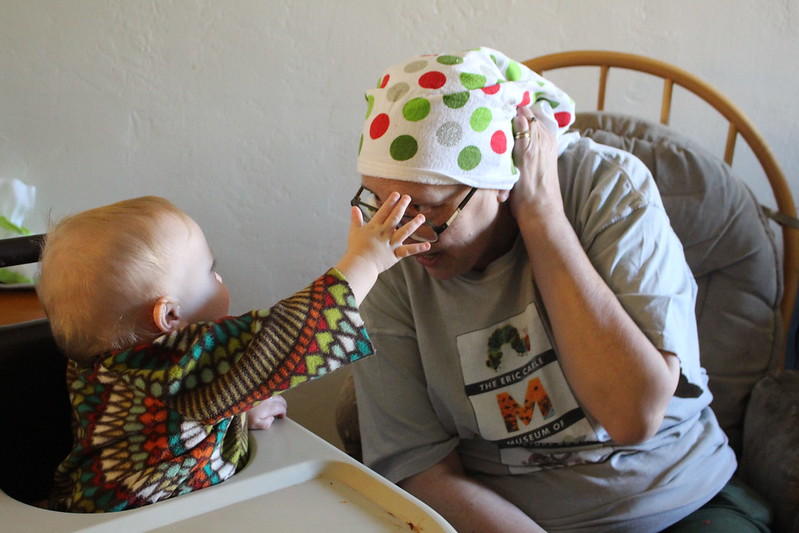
<point>520,134</point>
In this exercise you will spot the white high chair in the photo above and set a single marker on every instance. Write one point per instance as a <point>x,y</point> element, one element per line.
<point>295,481</point>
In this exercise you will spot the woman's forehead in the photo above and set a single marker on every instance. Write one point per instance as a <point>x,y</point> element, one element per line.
<point>383,187</point>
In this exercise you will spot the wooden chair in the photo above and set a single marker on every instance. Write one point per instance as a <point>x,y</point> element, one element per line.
<point>739,125</point>
<point>755,397</point>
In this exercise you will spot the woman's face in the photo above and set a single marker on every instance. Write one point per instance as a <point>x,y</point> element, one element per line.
<point>482,232</point>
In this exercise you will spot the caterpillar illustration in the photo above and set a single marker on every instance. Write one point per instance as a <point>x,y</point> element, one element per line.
<point>505,335</point>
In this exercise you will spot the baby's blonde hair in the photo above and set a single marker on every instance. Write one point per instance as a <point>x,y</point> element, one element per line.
<point>101,273</point>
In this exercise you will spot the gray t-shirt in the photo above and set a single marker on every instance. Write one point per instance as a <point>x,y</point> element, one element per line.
<point>468,363</point>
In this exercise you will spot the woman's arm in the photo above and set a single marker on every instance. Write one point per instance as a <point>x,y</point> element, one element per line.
<point>618,375</point>
<point>464,502</point>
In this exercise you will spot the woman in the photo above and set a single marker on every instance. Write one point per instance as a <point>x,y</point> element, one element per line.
<point>528,364</point>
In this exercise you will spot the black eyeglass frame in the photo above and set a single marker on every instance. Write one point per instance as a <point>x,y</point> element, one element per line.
<point>438,230</point>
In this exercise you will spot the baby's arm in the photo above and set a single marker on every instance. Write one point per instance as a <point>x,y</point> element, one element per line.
<point>309,334</point>
<point>238,361</point>
<point>378,245</point>
<point>262,415</point>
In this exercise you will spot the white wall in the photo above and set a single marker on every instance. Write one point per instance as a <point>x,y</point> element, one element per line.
<point>247,113</point>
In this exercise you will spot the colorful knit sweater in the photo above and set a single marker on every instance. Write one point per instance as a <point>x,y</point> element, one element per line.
<point>167,418</point>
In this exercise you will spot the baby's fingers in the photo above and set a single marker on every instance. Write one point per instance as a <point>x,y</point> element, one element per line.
<point>403,233</point>
<point>356,218</point>
<point>414,248</point>
<point>392,209</point>
<point>406,230</point>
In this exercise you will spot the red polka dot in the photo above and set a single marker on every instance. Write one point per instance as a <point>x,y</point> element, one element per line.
<point>379,126</point>
<point>499,142</point>
<point>385,81</point>
<point>525,99</point>
<point>563,118</point>
<point>491,89</point>
<point>432,80</point>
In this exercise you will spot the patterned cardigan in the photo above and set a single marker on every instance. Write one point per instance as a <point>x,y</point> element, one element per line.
<point>167,418</point>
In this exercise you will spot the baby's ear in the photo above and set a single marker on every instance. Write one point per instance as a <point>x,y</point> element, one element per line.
<point>166,314</point>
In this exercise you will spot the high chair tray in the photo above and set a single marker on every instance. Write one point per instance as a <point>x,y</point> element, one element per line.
<point>295,481</point>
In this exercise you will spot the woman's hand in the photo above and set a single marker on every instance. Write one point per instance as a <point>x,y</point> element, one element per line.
<point>537,193</point>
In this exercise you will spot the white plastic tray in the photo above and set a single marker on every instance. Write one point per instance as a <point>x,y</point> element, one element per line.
<point>295,481</point>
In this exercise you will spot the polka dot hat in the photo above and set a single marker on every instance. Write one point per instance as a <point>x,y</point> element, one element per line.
<point>446,118</point>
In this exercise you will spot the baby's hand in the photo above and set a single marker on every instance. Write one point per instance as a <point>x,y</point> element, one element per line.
<point>379,241</point>
<point>262,415</point>
<point>377,245</point>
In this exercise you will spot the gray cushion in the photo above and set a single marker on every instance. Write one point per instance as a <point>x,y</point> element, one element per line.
<point>771,446</point>
<point>729,247</point>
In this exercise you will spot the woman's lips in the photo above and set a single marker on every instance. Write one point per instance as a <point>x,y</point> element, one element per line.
<point>429,260</point>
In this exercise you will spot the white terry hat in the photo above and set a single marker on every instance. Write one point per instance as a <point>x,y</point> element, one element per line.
<point>446,118</point>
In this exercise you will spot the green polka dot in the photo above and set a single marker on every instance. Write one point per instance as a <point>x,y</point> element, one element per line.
<point>480,119</point>
<point>416,109</point>
<point>514,71</point>
<point>456,100</point>
<point>541,95</point>
<point>469,158</point>
<point>156,389</point>
<point>403,148</point>
<point>360,145</point>
<point>449,60</point>
<point>473,81</point>
<point>370,104</point>
<point>207,375</point>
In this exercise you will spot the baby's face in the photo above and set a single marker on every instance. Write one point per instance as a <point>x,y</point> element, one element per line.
<point>193,280</point>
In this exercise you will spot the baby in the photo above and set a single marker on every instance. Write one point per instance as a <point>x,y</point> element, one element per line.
<point>163,383</point>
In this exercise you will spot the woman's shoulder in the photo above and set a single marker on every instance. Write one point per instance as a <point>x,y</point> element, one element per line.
<point>602,165</point>
<point>600,180</point>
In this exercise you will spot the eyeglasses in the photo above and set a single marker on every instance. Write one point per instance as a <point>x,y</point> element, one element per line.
<point>367,202</point>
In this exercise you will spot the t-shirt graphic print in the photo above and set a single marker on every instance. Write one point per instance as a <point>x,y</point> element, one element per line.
<point>521,400</point>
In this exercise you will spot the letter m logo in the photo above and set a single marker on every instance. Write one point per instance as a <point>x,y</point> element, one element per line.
<point>512,411</point>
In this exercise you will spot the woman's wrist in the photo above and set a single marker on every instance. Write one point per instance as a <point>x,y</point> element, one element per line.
<point>543,220</point>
